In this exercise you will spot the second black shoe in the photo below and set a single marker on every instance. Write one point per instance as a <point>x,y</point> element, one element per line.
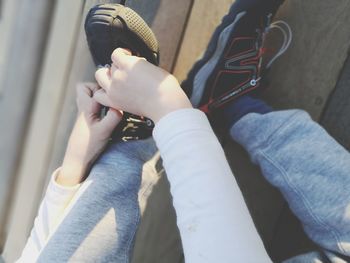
<point>110,26</point>
<point>232,63</point>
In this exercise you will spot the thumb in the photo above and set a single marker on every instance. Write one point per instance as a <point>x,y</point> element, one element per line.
<point>101,97</point>
<point>112,119</point>
<point>120,57</point>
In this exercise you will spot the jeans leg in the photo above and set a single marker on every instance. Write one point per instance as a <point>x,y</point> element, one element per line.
<point>101,223</point>
<point>308,166</point>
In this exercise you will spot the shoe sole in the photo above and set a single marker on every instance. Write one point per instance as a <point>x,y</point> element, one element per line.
<point>126,28</point>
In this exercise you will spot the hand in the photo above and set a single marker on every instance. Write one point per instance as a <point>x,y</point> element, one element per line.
<point>89,136</point>
<point>134,85</point>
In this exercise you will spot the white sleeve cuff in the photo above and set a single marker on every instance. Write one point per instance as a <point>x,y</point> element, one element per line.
<point>185,120</point>
<point>58,193</point>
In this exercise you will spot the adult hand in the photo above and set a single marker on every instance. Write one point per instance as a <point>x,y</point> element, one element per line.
<point>89,136</point>
<point>134,85</point>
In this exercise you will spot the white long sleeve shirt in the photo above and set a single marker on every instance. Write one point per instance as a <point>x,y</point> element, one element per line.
<point>214,222</point>
<point>51,211</point>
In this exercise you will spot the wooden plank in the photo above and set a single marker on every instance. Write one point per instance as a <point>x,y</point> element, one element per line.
<point>82,69</point>
<point>290,239</point>
<point>22,66</point>
<point>167,19</point>
<point>169,26</point>
<point>306,75</point>
<point>7,24</point>
<point>38,145</point>
<point>336,118</point>
<point>198,33</point>
<point>158,238</point>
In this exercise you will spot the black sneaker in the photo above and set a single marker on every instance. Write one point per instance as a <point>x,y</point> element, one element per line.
<point>232,63</point>
<point>109,26</point>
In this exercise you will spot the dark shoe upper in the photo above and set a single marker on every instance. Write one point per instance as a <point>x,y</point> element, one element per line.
<point>109,26</point>
<point>232,63</point>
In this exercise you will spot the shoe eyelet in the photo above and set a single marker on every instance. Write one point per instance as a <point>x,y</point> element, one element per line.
<point>253,82</point>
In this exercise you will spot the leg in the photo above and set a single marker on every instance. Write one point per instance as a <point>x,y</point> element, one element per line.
<point>309,167</point>
<point>102,222</point>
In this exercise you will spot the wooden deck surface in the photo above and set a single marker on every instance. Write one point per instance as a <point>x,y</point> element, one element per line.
<point>37,113</point>
<point>306,75</point>
<point>21,56</point>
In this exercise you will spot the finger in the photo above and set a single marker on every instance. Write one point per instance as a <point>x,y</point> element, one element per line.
<point>93,87</point>
<point>120,57</point>
<point>112,118</point>
<point>83,98</point>
<point>83,90</point>
<point>95,108</point>
<point>113,69</point>
<point>103,78</point>
<point>101,97</point>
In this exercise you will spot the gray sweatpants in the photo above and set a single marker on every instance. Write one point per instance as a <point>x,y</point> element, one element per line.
<point>294,153</point>
<point>102,223</point>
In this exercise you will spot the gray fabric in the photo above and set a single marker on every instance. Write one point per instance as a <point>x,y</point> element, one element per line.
<point>102,224</point>
<point>310,169</point>
<point>294,153</point>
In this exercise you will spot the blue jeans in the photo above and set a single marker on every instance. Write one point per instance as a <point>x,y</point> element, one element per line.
<point>294,153</point>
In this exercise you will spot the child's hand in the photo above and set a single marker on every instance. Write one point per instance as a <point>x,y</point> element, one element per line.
<point>134,85</point>
<point>89,136</point>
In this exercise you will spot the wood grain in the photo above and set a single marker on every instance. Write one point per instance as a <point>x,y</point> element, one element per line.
<point>204,18</point>
<point>167,19</point>
<point>168,25</point>
<point>22,53</point>
<point>7,25</point>
<point>306,75</point>
<point>38,146</point>
<point>336,117</point>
